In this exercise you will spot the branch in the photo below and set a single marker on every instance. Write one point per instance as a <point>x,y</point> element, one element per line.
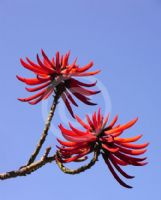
<point>25,170</point>
<point>80,169</point>
<point>47,125</point>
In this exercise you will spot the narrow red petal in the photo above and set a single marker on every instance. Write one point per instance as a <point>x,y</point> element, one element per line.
<point>89,121</point>
<point>118,161</point>
<point>70,98</point>
<point>47,59</point>
<point>81,97</point>
<point>38,88</point>
<point>130,151</point>
<point>113,122</point>
<point>83,84</point>
<point>106,120</point>
<point>82,123</point>
<point>77,131</point>
<point>129,159</point>
<point>67,104</point>
<point>88,73</point>
<point>74,158</point>
<point>94,119</point>
<point>86,67</point>
<point>57,60</point>
<point>67,144</point>
<point>122,127</point>
<point>84,91</point>
<point>44,67</point>
<point>135,146</point>
<point>32,68</point>
<point>123,173</point>
<point>126,140</point>
<point>33,97</point>
<point>114,173</point>
<point>110,149</point>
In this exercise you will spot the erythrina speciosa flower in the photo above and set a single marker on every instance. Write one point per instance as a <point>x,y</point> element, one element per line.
<point>56,75</point>
<point>116,151</point>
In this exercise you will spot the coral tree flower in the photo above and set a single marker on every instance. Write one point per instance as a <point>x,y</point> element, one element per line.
<point>55,74</point>
<point>116,151</point>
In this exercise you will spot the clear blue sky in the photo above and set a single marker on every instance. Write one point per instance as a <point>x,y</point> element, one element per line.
<point>123,38</point>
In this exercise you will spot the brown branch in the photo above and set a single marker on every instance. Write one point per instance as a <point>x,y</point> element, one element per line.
<point>80,169</point>
<point>47,125</point>
<point>25,170</point>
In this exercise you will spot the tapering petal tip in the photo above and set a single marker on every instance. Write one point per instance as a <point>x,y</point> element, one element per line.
<point>19,78</point>
<point>21,99</point>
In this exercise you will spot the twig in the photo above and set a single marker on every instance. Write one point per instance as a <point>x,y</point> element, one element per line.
<point>46,153</point>
<point>25,170</point>
<point>80,169</point>
<point>47,125</point>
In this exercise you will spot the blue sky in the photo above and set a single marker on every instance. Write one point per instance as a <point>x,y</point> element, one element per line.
<point>123,38</point>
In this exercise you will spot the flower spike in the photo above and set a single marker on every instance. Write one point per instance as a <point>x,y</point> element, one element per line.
<point>58,74</point>
<point>115,151</point>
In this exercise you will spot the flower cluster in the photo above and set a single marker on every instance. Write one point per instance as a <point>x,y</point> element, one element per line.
<point>57,74</point>
<point>116,151</point>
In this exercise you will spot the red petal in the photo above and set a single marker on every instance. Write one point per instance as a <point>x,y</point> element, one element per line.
<point>70,98</point>
<point>83,91</point>
<point>79,139</point>
<point>44,67</point>
<point>99,116</point>
<point>82,98</point>
<point>129,159</point>
<point>70,67</point>
<point>47,60</point>
<point>135,146</point>
<point>85,68</point>
<point>65,60</point>
<point>126,140</point>
<point>82,123</point>
<point>90,122</point>
<point>78,132</point>
<point>74,158</point>
<point>67,104</point>
<point>68,144</point>
<point>87,73</point>
<point>114,173</point>
<point>83,84</point>
<point>94,118</point>
<point>57,60</point>
<point>118,161</point>
<point>123,127</point>
<point>33,97</point>
<point>48,93</point>
<point>113,122</point>
<point>106,120</point>
<point>33,102</point>
<point>110,149</point>
<point>119,168</point>
<point>30,81</point>
<point>32,68</point>
<point>66,131</point>
<point>130,151</point>
<point>38,88</point>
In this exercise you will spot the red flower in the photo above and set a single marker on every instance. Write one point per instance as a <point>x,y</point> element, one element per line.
<point>116,151</point>
<point>55,74</point>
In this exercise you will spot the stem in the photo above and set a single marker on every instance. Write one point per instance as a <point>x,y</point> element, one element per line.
<point>58,93</point>
<point>80,169</point>
<point>25,170</point>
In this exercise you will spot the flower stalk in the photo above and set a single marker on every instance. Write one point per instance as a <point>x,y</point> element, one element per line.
<point>58,92</point>
<point>80,169</point>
